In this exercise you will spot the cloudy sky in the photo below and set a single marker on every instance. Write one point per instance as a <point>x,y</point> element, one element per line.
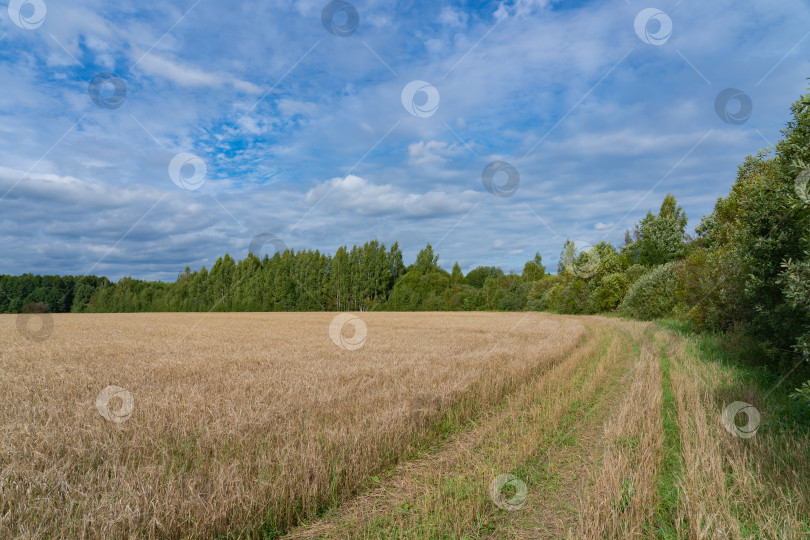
<point>140,137</point>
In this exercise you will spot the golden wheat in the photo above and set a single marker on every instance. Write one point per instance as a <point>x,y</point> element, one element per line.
<point>244,423</point>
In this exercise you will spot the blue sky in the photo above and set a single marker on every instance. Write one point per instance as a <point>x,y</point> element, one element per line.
<point>289,129</point>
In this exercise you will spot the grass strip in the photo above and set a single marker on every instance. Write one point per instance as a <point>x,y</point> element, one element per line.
<point>672,460</point>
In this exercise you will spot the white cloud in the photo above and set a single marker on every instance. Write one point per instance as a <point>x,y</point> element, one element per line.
<point>453,18</point>
<point>292,107</point>
<point>186,75</point>
<point>357,194</point>
<point>431,153</point>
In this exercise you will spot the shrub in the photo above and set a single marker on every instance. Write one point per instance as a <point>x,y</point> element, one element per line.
<point>540,287</point>
<point>711,285</point>
<point>610,292</point>
<point>572,297</point>
<point>552,299</point>
<point>635,272</point>
<point>653,296</point>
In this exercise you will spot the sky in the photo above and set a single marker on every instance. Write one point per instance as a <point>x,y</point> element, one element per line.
<point>138,138</point>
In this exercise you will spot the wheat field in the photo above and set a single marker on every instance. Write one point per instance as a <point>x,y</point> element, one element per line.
<point>194,425</point>
<point>383,425</point>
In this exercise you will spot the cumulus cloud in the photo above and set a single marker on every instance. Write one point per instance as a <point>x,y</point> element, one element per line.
<point>357,194</point>
<point>452,17</point>
<point>431,153</point>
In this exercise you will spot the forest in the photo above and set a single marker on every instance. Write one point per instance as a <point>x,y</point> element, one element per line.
<point>746,269</point>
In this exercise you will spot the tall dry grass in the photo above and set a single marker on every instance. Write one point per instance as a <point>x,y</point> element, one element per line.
<point>244,423</point>
<point>733,487</point>
<point>624,496</point>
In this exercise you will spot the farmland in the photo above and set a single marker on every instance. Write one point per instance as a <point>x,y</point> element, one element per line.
<point>381,425</point>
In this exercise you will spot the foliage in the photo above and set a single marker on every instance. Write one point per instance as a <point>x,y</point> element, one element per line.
<point>795,281</point>
<point>610,292</point>
<point>634,272</point>
<point>653,296</point>
<point>758,237</point>
<point>477,276</point>
<point>534,270</point>
<point>660,238</point>
<point>57,294</point>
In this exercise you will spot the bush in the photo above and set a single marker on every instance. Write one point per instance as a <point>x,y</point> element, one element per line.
<point>552,299</point>
<point>535,305</point>
<point>711,285</point>
<point>653,296</point>
<point>477,276</point>
<point>610,292</point>
<point>541,286</point>
<point>635,272</point>
<point>514,299</point>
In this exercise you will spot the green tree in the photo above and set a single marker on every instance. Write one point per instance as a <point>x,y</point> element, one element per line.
<point>456,276</point>
<point>660,238</point>
<point>426,261</point>
<point>534,270</point>
<point>477,276</point>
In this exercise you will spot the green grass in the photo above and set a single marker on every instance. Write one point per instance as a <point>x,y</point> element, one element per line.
<point>743,359</point>
<point>672,461</point>
<point>784,418</point>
